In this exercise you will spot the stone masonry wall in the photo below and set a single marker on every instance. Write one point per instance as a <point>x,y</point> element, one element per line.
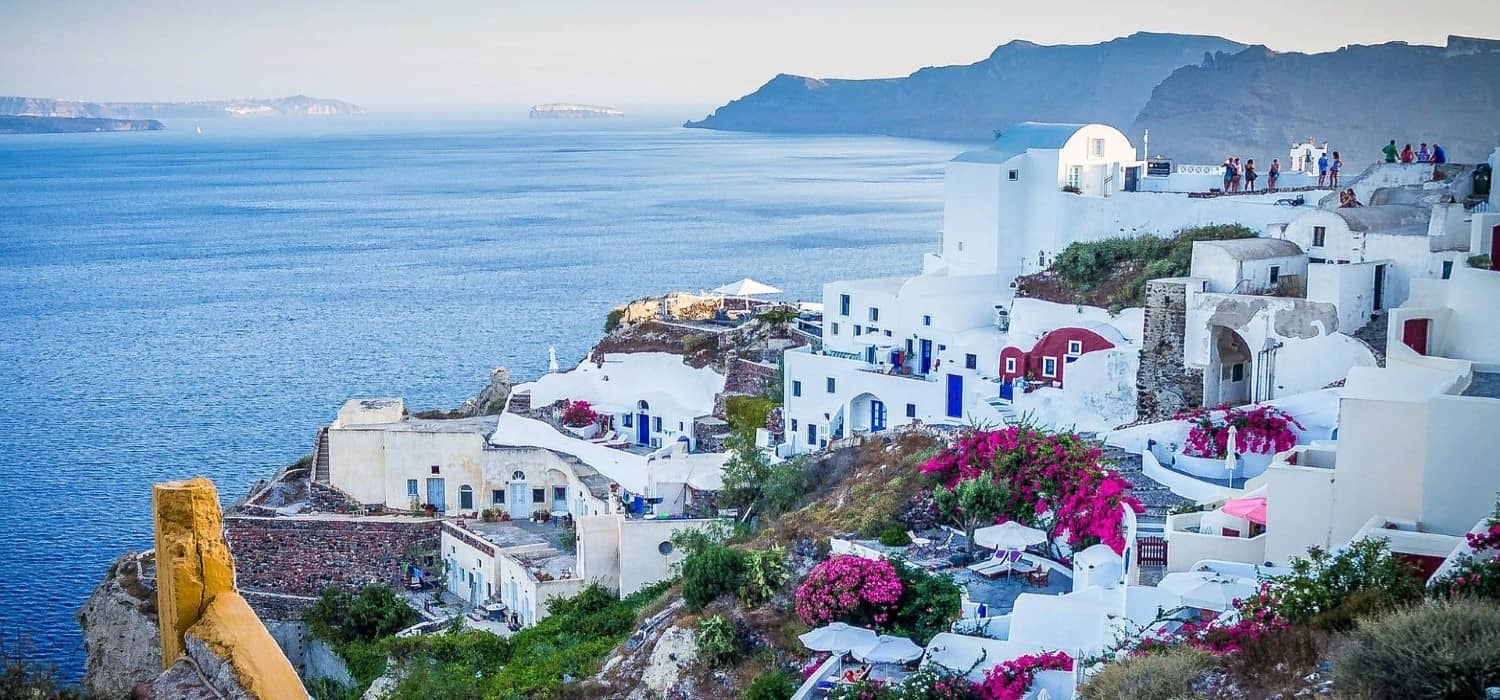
<point>745,377</point>
<point>302,556</point>
<point>1164,385</point>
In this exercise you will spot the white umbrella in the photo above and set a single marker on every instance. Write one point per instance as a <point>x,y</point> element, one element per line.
<point>887,649</point>
<point>1205,589</point>
<point>837,636</point>
<point>1009,535</point>
<point>1229,456</point>
<point>745,288</point>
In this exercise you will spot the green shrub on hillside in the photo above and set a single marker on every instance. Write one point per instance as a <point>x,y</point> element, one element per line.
<point>1442,651</point>
<point>771,685</point>
<point>929,604</point>
<point>1084,266</point>
<point>717,641</point>
<point>612,321</point>
<point>1322,581</point>
<point>1165,676</point>
<point>747,413</point>
<point>712,572</point>
<point>766,572</point>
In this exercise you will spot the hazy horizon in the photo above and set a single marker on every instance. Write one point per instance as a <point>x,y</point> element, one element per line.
<point>660,56</point>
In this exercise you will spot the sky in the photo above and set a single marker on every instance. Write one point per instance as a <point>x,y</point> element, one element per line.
<point>686,55</point>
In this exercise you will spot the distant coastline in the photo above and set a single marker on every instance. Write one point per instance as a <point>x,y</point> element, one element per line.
<point>572,111</point>
<point>294,106</point>
<point>17,124</point>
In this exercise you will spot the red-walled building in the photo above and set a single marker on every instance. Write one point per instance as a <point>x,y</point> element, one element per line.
<point>1048,359</point>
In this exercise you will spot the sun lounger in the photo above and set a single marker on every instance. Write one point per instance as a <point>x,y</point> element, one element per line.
<point>607,437</point>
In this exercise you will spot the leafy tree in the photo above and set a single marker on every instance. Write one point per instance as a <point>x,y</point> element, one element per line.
<point>745,471</point>
<point>929,603</point>
<point>785,485</point>
<point>971,504</point>
<point>1322,581</point>
<point>712,572</point>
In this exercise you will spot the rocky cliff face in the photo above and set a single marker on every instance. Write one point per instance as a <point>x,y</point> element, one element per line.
<point>1255,103</point>
<point>1107,82</point>
<point>120,633</point>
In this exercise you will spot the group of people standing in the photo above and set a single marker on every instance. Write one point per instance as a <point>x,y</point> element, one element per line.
<point>1421,155</point>
<point>1241,178</point>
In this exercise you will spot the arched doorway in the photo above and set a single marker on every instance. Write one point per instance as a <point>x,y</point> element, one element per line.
<point>642,423</point>
<point>867,414</point>
<point>1229,376</point>
<point>519,507</point>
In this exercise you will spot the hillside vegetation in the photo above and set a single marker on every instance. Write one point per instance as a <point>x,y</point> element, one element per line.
<point>1113,272</point>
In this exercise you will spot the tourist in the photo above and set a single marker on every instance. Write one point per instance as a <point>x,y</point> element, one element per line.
<point>1334,167</point>
<point>1273,174</point>
<point>1250,175</point>
<point>1347,200</point>
<point>1228,172</point>
<point>1438,156</point>
<point>1390,151</point>
<point>1234,175</point>
<point>1422,154</point>
<point>1407,155</point>
<point>1322,168</point>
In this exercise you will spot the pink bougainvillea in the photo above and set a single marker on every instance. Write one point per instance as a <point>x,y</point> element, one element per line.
<point>1047,473</point>
<point>1259,430</point>
<point>578,414</point>
<point>1010,680</point>
<point>850,589</point>
<point>1256,618</point>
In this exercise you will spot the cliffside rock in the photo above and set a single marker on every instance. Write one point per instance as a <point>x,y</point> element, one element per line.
<point>120,634</point>
<point>673,652</point>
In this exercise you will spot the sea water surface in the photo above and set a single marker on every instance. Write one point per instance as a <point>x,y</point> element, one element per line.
<point>175,304</point>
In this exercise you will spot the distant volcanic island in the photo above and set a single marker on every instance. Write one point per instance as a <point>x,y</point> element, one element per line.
<point>41,115</point>
<point>571,111</point>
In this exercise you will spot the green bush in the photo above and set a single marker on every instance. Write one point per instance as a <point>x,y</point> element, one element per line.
<point>612,321</point>
<point>1480,261</point>
<point>785,485</point>
<point>1084,266</point>
<point>1165,676</point>
<point>712,572</point>
<point>894,536</point>
<point>1442,651</point>
<point>1322,581</point>
<point>779,684</point>
<point>766,572</point>
<point>376,611</point>
<point>746,412</point>
<point>929,603</point>
<point>717,641</point>
<point>329,689</point>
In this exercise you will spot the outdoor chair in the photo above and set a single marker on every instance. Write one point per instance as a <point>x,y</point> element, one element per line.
<point>610,436</point>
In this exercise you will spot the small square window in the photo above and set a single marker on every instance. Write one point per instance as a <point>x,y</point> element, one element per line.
<point>844,304</point>
<point>887,334</point>
<point>858,331</point>
<point>539,495</point>
<point>796,387</point>
<point>1319,234</point>
<point>435,469</point>
<point>831,385</point>
<point>411,487</point>
<point>628,420</point>
<point>1010,365</point>
<point>559,493</point>
<point>971,361</point>
<point>1049,367</point>
<point>655,424</point>
<point>911,410</point>
<point>874,314</point>
<point>1013,175</point>
<point>1097,147</point>
<point>497,497</point>
<point>794,425</point>
<point>926,320</point>
<point>1075,347</point>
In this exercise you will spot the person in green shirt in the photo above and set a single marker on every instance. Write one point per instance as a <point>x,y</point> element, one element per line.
<point>1390,151</point>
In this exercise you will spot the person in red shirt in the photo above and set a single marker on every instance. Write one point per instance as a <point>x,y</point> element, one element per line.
<point>1407,155</point>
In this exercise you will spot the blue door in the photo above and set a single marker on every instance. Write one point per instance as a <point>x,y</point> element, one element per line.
<point>877,416</point>
<point>1007,391</point>
<point>642,429</point>
<point>955,396</point>
<point>926,356</point>
<point>435,492</point>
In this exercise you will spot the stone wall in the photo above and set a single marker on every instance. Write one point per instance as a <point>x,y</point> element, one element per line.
<point>745,377</point>
<point>1164,385</point>
<point>302,556</point>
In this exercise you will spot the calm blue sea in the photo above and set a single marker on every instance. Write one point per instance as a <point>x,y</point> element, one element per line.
<point>174,304</point>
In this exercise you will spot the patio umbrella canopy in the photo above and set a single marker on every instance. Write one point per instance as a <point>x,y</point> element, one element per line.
<point>887,649</point>
<point>1205,589</point>
<point>745,288</point>
<point>837,636</point>
<point>1009,535</point>
<point>1252,509</point>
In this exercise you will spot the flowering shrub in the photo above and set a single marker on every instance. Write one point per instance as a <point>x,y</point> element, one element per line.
<point>929,682</point>
<point>1056,482</point>
<point>578,414</point>
<point>1009,680</point>
<point>1256,619</point>
<point>1259,430</point>
<point>1478,574</point>
<point>849,588</point>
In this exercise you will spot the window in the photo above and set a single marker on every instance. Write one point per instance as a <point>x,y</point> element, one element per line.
<point>794,425</point>
<point>1319,233</point>
<point>642,405</point>
<point>435,469</point>
<point>656,424</point>
<point>411,487</point>
<point>1075,347</point>
<point>665,547</point>
<point>796,387</point>
<point>1049,367</point>
<point>1075,175</point>
<point>874,314</point>
<point>911,410</point>
<point>559,493</point>
<point>1013,175</point>
<point>971,361</point>
<point>1447,269</point>
<point>833,328</point>
<point>466,497</point>
<point>1096,147</point>
<point>858,331</point>
<point>1238,373</point>
<point>812,434</point>
<point>539,495</point>
<point>681,427</point>
<point>887,334</point>
<point>497,497</point>
<point>1275,274</point>
<point>628,420</point>
<point>1010,365</point>
<point>831,385</point>
<point>960,246</point>
<point>926,320</point>
<point>843,304</point>
<point>518,475</point>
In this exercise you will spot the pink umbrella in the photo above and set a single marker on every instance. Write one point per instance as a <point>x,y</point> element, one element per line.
<point>1252,509</point>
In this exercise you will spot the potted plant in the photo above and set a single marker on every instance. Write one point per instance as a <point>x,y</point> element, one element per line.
<point>581,419</point>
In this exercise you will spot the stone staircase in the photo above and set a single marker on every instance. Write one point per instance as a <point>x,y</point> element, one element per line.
<point>320,461</point>
<point>1373,335</point>
<point>520,402</point>
<point>1006,409</point>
